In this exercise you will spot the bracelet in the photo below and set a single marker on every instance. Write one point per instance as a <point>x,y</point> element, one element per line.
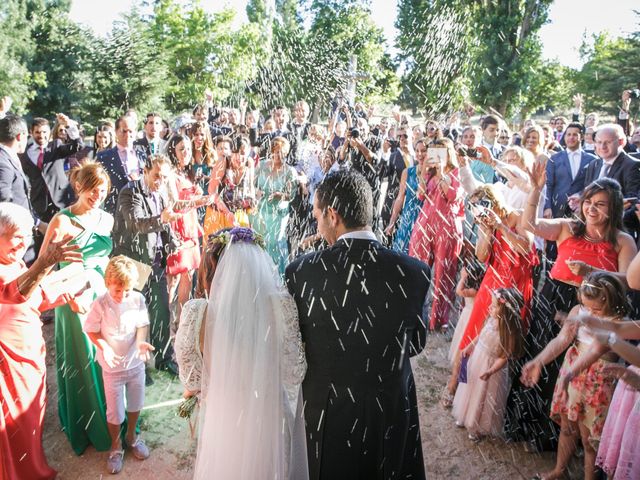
<point>612,339</point>
<point>533,205</point>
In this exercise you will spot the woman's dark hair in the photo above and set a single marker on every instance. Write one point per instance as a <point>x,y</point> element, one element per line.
<point>607,288</point>
<point>475,273</point>
<point>614,221</point>
<point>349,194</point>
<point>509,317</point>
<point>105,128</point>
<point>207,150</point>
<point>209,262</point>
<point>239,142</point>
<point>166,135</point>
<point>171,149</point>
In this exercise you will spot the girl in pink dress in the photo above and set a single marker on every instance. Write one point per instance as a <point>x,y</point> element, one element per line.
<point>619,451</point>
<point>436,238</point>
<point>470,278</point>
<point>479,403</point>
<point>583,390</point>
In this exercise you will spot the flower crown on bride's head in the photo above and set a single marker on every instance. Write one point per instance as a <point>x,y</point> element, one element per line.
<point>236,235</point>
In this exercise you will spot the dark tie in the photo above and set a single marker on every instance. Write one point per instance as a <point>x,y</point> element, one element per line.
<point>40,159</point>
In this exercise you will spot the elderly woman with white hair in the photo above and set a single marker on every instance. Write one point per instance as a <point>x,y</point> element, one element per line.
<point>22,347</point>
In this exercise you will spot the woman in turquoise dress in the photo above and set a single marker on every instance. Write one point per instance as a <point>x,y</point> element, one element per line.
<point>81,402</point>
<point>276,182</point>
<point>407,205</point>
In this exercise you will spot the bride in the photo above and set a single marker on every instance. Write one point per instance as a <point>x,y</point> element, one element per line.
<point>242,351</point>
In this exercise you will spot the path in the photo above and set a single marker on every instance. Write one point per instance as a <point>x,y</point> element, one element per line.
<point>448,452</point>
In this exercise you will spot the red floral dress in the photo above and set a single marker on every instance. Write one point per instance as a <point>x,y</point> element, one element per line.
<point>589,394</point>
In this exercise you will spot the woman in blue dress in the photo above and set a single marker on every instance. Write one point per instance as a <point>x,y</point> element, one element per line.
<point>407,205</point>
<point>276,183</point>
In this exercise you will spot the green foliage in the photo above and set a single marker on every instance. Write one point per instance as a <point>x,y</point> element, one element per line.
<point>611,66</point>
<point>16,48</point>
<point>486,49</point>
<point>202,50</point>
<point>508,50</point>
<point>126,72</point>
<point>550,88</point>
<point>62,54</point>
<point>313,64</point>
<point>436,44</point>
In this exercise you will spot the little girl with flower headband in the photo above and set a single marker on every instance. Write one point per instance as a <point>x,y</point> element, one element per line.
<point>583,390</point>
<point>479,404</point>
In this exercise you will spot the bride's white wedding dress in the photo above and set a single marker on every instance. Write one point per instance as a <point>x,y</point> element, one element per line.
<point>250,372</point>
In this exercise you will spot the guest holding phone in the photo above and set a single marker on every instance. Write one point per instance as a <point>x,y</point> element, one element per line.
<point>436,238</point>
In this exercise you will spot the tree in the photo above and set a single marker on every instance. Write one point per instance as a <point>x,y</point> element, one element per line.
<point>313,64</point>
<point>436,44</point>
<point>346,28</point>
<point>608,70</point>
<point>126,71</point>
<point>202,50</point>
<point>489,46</point>
<point>550,88</point>
<point>509,48</point>
<point>62,53</point>
<point>16,48</point>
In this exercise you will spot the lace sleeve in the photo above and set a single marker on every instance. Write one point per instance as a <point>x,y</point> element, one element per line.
<point>294,363</point>
<point>187,344</point>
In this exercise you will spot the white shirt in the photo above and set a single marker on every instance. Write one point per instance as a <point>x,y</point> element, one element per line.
<point>33,152</point>
<point>575,157</point>
<point>358,235</point>
<point>606,165</point>
<point>118,323</point>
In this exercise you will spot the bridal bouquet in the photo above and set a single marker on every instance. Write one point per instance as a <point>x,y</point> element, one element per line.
<point>188,405</point>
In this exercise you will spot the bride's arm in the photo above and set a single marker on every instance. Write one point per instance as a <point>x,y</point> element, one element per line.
<point>188,345</point>
<point>294,363</point>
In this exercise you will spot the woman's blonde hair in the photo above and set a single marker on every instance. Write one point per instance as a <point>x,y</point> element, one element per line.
<point>87,176</point>
<point>488,192</point>
<point>285,146</point>
<point>525,156</point>
<point>537,129</point>
<point>121,270</point>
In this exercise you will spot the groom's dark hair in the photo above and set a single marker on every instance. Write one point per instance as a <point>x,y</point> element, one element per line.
<point>349,194</point>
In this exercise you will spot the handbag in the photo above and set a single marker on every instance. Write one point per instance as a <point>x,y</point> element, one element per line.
<point>183,260</point>
<point>462,374</point>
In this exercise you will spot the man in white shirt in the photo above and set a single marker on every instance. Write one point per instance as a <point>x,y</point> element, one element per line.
<point>566,173</point>
<point>490,126</point>
<point>123,163</point>
<point>151,143</point>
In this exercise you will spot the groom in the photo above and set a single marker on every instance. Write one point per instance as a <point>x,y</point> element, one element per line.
<point>359,306</point>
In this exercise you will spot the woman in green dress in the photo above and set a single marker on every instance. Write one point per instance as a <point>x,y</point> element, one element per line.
<point>81,402</point>
<point>276,182</point>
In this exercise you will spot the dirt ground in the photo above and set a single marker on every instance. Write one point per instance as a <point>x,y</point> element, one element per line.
<point>448,452</point>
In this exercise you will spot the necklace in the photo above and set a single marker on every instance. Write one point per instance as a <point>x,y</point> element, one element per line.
<point>591,239</point>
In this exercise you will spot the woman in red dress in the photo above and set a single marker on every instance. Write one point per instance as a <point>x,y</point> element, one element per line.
<point>22,348</point>
<point>508,251</point>
<point>436,238</point>
<point>187,197</point>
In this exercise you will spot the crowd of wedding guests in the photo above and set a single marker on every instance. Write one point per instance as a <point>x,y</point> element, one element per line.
<point>530,238</point>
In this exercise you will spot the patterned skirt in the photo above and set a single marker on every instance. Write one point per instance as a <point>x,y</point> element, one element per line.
<point>589,395</point>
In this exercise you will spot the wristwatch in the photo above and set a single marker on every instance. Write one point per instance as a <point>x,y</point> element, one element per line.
<point>612,339</point>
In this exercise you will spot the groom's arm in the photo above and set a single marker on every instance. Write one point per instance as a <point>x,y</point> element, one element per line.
<point>419,338</point>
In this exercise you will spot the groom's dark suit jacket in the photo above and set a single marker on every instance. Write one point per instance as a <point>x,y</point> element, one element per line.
<point>360,307</point>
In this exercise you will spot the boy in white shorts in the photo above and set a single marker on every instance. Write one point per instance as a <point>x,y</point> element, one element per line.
<point>118,324</point>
